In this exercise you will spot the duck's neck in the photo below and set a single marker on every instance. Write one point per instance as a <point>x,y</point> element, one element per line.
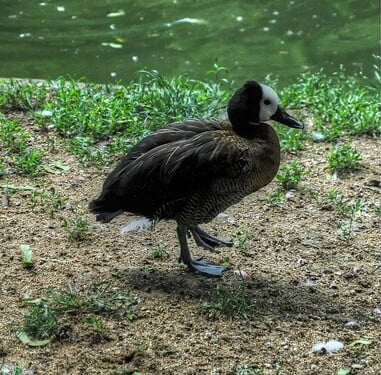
<point>251,131</point>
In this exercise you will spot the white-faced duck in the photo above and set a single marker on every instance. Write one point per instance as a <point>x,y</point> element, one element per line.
<point>192,170</point>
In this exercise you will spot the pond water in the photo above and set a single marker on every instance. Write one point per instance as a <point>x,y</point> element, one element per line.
<point>108,41</point>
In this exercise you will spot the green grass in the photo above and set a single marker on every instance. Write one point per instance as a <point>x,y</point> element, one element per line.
<point>102,122</point>
<point>19,151</point>
<point>230,298</point>
<point>350,212</point>
<point>159,252</point>
<point>290,175</point>
<point>77,226</point>
<point>241,237</point>
<point>41,320</point>
<point>343,158</point>
<point>48,201</point>
<point>88,114</point>
<point>21,95</point>
<point>338,104</point>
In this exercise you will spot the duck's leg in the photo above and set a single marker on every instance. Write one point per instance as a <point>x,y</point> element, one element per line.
<point>198,264</point>
<point>206,240</point>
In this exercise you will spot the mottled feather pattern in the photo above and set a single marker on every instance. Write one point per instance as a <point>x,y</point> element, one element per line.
<point>198,163</point>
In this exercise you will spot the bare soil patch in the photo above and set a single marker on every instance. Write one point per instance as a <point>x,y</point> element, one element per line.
<point>306,285</point>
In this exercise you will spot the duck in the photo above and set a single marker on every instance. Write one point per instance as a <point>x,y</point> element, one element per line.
<point>192,170</point>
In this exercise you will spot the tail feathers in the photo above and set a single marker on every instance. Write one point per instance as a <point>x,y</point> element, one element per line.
<point>103,213</point>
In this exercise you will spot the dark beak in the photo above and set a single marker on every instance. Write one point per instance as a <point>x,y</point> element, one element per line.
<point>284,118</point>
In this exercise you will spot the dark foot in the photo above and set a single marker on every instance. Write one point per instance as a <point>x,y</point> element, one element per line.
<point>206,240</point>
<point>202,266</point>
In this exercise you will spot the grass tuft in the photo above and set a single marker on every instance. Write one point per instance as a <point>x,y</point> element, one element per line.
<point>339,105</point>
<point>343,158</point>
<point>230,298</point>
<point>290,175</point>
<point>42,318</point>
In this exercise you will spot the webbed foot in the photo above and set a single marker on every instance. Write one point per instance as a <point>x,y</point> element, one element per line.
<point>202,266</point>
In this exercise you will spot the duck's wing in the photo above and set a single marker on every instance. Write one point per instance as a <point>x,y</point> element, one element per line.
<point>167,167</point>
<point>191,161</point>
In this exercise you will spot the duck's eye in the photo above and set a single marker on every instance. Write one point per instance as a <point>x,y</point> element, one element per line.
<point>267,101</point>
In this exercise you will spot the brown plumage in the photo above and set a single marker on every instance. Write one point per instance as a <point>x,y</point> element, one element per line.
<point>192,170</point>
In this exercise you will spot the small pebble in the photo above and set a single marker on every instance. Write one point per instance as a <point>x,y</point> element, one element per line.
<point>243,274</point>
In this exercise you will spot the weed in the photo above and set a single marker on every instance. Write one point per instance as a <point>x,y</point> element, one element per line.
<point>98,300</point>
<point>343,157</point>
<point>246,370</point>
<point>339,105</point>
<point>14,370</point>
<point>21,95</point>
<point>99,326</point>
<point>40,321</point>
<point>97,112</point>
<point>291,140</point>
<point>290,175</point>
<point>359,346</point>
<point>146,348</point>
<point>230,299</point>
<point>49,201</point>
<point>77,226</point>
<point>350,212</point>
<point>29,161</point>
<point>241,237</point>
<point>89,154</point>
<point>159,252</point>
<point>2,168</point>
<point>27,256</point>
<point>15,140</point>
<point>275,199</point>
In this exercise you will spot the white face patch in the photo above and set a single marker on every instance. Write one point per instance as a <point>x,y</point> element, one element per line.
<point>269,103</point>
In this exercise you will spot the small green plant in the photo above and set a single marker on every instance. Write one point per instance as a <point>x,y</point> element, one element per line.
<point>159,252</point>
<point>16,143</point>
<point>343,158</point>
<point>241,237</point>
<point>99,299</point>
<point>290,140</point>
<point>49,201</point>
<point>350,212</point>
<point>343,371</point>
<point>275,199</point>
<point>21,95</point>
<point>146,348</point>
<point>28,162</point>
<point>97,323</point>
<point>338,104</point>
<point>77,226</point>
<point>290,175</point>
<point>2,168</point>
<point>230,298</point>
<point>40,322</point>
<point>27,256</point>
<point>360,345</point>
<point>246,370</point>
<point>14,370</point>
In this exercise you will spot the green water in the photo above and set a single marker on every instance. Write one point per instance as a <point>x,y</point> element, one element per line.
<point>83,38</point>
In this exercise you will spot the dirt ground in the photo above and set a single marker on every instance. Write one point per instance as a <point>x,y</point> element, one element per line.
<point>306,284</point>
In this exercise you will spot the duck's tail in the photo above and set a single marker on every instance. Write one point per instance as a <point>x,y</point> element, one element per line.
<point>104,210</point>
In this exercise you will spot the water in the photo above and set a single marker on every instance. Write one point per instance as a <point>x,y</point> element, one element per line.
<point>107,41</point>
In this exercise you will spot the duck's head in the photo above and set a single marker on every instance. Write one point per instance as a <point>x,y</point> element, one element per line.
<point>255,102</point>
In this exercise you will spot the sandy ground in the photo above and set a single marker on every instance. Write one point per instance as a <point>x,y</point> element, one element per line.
<point>306,285</point>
